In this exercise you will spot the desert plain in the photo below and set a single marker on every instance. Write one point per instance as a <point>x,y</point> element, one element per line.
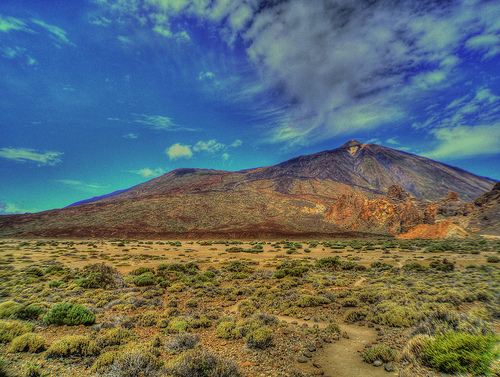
<point>281,307</point>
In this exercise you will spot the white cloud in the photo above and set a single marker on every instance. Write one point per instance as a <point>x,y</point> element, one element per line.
<point>149,173</point>
<point>464,141</point>
<point>123,39</point>
<point>31,155</point>
<point>235,144</point>
<point>210,146</point>
<point>157,122</point>
<point>225,156</point>
<point>13,208</point>
<point>130,136</point>
<point>177,151</point>
<point>206,76</point>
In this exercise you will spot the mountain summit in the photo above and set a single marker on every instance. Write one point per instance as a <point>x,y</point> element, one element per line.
<point>356,187</point>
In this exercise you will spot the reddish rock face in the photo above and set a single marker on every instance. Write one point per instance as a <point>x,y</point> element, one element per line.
<point>443,229</point>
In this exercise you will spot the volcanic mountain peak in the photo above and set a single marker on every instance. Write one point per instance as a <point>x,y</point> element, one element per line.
<point>356,187</point>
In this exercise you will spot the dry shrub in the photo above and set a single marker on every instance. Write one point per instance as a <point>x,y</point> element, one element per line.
<point>414,350</point>
<point>75,345</point>
<point>203,363</point>
<point>28,342</point>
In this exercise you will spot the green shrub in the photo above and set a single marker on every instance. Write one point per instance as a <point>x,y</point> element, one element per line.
<point>104,361</point>
<point>389,313</point>
<point>55,284</point>
<point>113,337</point>
<point>98,275</point>
<point>414,267</point>
<point>443,265</point>
<point>382,266</point>
<point>12,329</point>
<point>75,345</point>
<point>28,312</point>
<point>461,353</point>
<point>350,302</point>
<point>68,314</point>
<point>29,342</point>
<point>147,278</point>
<point>239,275</point>
<point>493,259</point>
<point>261,337</point>
<point>379,352</point>
<point>330,264</point>
<point>178,325</point>
<point>355,315</point>
<point>202,363</point>
<point>148,318</point>
<point>246,308</point>
<point>34,271</point>
<point>141,270</point>
<point>333,328</point>
<point>306,301</point>
<point>226,329</point>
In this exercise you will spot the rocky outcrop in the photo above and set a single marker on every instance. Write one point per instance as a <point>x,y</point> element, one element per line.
<point>395,213</point>
<point>443,229</point>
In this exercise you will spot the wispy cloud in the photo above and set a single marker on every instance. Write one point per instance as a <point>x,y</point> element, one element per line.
<point>338,66</point>
<point>56,31</point>
<point>10,23</point>
<point>161,123</point>
<point>100,21</point>
<point>178,150</point>
<point>464,141</point>
<point>149,173</point>
<point>130,136</point>
<point>31,155</point>
<point>467,126</point>
<point>82,186</point>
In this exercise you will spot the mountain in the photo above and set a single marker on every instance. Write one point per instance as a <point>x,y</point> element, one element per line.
<point>364,188</point>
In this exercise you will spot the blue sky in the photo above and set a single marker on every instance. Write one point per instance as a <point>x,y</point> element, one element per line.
<point>101,95</point>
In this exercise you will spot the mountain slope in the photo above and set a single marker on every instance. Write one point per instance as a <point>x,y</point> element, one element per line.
<point>326,193</point>
<point>375,168</point>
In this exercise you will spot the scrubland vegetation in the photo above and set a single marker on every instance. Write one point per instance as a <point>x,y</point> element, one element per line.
<point>234,308</point>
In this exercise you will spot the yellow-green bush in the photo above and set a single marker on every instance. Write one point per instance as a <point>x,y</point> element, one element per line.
<point>75,345</point>
<point>29,342</point>
<point>11,329</point>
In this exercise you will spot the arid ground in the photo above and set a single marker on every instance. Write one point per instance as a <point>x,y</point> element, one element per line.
<point>248,308</point>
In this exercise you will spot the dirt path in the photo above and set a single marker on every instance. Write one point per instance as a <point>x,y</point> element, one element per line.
<point>341,358</point>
